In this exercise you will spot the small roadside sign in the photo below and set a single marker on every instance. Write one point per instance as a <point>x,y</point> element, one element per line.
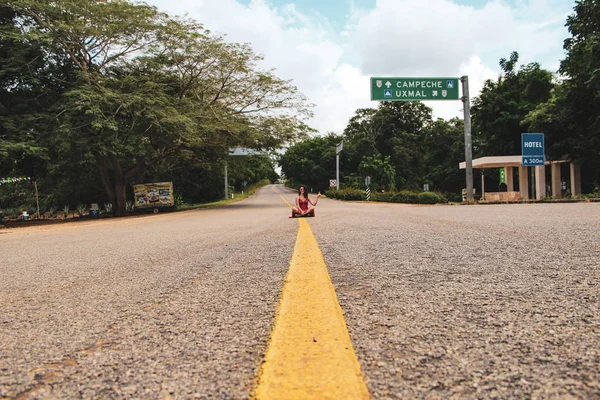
<point>368,180</point>
<point>532,149</point>
<point>332,183</point>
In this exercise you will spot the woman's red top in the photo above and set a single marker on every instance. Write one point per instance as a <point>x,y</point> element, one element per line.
<point>303,204</point>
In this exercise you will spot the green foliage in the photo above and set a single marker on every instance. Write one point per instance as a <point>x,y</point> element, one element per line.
<point>18,194</point>
<point>346,194</point>
<point>429,198</point>
<point>405,196</point>
<point>444,149</point>
<point>178,199</point>
<point>116,91</point>
<point>384,143</point>
<point>570,117</point>
<point>394,130</point>
<point>382,196</point>
<point>498,113</point>
<point>311,162</point>
<point>381,170</point>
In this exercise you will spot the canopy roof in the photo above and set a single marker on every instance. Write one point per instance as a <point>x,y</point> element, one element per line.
<point>500,162</point>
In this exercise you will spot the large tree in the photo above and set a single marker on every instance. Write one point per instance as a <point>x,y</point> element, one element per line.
<point>394,130</point>
<point>444,149</point>
<point>29,81</point>
<point>148,87</point>
<point>311,162</point>
<point>499,111</point>
<point>570,118</point>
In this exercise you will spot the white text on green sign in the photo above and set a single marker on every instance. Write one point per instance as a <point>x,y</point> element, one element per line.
<point>414,89</point>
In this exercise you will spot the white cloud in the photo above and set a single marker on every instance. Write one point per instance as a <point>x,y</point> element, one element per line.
<point>437,36</point>
<point>396,38</point>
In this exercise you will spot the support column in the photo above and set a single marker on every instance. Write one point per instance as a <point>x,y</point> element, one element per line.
<point>510,185</point>
<point>468,145</point>
<point>523,183</point>
<point>540,182</point>
<point>575,179</point>
<point>482,186</point>
<point>555,176</point>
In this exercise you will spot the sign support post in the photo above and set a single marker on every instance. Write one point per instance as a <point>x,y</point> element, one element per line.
<point>37,199</point>
<point>427,89</point>
<point>226,183</point>
<point>338,149</point>
<point>468,147</point>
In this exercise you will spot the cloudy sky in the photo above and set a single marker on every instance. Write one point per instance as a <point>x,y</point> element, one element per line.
<point>331,48</point>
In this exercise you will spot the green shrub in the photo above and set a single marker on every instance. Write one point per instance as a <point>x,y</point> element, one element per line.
<point>446,197</point>
<point>386,196</point>
<point>81,209</point>
<point>428,198</point>
<point>346,194</point>
<point>178,199</point>
<point>406,196</point>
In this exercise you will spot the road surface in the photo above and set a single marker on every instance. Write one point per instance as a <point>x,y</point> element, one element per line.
<point>494,301</point>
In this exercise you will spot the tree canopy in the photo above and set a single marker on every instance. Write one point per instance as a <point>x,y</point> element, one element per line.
<point>570,117</point>
<point>498,113</point>
<point>119,87</point>
<point>397,144</point>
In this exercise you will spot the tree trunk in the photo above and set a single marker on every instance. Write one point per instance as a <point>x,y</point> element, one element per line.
<point>116,191</point>
<point>108,188</point>
<point>121,205</point>
<point>119,188</point>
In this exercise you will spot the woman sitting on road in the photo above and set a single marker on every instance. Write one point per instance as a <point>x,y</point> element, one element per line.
<point>302,208</point>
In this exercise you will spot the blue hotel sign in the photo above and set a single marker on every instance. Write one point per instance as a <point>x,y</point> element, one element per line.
<point>532,149</point>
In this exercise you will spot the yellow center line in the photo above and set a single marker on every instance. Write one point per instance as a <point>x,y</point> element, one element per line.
<point>286,202</point>
<point>310,355</point>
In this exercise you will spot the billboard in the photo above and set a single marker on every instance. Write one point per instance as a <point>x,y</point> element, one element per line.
<point>152,195</point>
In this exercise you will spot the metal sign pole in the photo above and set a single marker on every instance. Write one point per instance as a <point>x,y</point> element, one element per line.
<point>37,199</point>
<point>468,147</point>
<point>338,149</point>
<point>337,171</point>
<point>226,183</point>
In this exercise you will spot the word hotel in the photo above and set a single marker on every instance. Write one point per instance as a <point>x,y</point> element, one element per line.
<point>532,144</point>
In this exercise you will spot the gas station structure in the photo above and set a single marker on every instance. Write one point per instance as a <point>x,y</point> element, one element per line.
<point>509,163</point>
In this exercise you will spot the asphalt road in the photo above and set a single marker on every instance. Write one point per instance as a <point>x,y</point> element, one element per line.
<point>440,301</point>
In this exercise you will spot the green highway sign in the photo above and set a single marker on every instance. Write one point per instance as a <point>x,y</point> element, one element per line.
<point>414,89</point>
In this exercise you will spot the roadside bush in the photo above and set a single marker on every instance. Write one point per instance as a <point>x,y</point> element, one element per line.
<point>447,197</point>
<point>385,197</point>
<point>406,196</point>
<point>428,198</point>
<point>346,194</point>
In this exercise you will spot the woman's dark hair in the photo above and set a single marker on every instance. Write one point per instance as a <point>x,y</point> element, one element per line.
<point>305,191</point>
